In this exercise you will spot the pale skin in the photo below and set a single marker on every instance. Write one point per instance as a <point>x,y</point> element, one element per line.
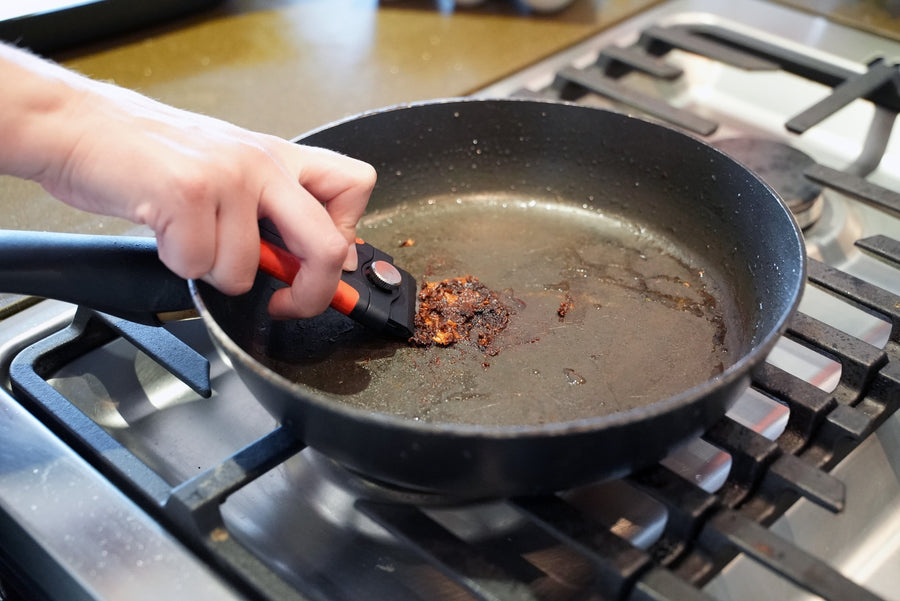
<point>201,184</point>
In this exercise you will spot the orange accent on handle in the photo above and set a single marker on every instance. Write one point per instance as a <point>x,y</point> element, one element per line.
<point>277,262</point>
<point>283,266</point>
<point>345,298</point>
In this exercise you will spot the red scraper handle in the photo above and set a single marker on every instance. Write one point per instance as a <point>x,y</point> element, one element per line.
<point>282,265</point>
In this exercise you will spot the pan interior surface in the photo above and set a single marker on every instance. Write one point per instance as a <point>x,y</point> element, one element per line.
<point>609,315</point>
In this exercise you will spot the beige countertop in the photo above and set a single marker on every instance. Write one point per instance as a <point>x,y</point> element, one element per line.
<point>285,67</point>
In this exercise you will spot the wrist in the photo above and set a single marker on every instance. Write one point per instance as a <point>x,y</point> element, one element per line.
<point>35,124</point>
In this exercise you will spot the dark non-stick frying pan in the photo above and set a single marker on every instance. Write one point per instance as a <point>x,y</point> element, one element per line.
<point>647,272</point>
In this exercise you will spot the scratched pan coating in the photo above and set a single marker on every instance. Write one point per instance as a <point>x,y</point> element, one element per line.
<point>679,269</point>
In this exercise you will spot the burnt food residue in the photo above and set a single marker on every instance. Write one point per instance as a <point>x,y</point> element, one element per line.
<point>460,309</point>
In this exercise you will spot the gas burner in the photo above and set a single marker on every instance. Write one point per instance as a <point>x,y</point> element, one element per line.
<point>335,492</point>
<point>781,166</point>
<point>360,486</point>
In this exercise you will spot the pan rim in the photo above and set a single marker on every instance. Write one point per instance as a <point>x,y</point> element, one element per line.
<point>739,370</point>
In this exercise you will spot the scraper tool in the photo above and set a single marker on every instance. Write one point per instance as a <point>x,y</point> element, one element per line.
<point>377,294</point>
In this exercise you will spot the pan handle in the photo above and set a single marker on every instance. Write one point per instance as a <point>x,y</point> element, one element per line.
<point>119,275</point>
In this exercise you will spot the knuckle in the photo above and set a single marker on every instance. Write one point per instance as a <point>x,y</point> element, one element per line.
<point>184,256</point>
<point>243,280</point>
<point>333,247</point>
<point>231,280</point>
<point>187,266</point>
<point>190,185</point>
<point>235,287</point>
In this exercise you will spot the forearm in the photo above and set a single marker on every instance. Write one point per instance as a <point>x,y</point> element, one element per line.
<point>36,100</point>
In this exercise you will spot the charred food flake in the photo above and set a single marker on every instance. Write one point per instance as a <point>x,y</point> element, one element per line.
<point>565,306</point>
<point>460,309</point>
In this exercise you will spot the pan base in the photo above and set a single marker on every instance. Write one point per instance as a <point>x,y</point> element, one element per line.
<point>609,316</point>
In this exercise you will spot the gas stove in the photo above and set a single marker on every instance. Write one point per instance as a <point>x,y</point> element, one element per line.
<point>136,465</point>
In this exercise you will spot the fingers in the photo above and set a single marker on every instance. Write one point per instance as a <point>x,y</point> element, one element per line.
<point>186,241</point>
<point>317,221</point>
<point>207,228</point>
<point>237,248</point>
<point>311,236</point>
<point>223,252</point>
<point>341,183</point>
<point>345,194</point>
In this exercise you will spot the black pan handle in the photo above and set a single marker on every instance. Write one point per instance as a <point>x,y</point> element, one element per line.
<point>119,275</point>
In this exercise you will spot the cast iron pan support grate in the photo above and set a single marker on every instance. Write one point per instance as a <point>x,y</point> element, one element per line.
<point>190,509</point>
<point>878,83</point>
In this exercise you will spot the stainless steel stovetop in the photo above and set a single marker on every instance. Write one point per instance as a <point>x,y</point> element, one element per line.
<point>309,530</point>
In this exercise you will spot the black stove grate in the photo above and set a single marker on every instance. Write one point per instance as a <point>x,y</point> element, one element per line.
<point>704,531</point>
<point>878,83</point>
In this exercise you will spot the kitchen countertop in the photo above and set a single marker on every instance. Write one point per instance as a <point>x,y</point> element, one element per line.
<point>285,67</point>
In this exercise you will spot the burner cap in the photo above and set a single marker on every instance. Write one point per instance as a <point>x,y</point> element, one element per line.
<point>781,166</point>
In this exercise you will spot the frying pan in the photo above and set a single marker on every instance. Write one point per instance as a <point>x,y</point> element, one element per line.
<point>647,273</point>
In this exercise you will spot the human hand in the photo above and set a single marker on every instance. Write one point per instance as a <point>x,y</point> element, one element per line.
<point>202,184</point>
